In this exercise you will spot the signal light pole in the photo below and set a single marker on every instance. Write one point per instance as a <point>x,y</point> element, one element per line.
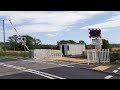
<point>95,33</point>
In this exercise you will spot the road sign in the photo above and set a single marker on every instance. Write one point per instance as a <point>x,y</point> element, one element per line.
<point>20,41</point>
<point>94,33</point>
<point>97,41</point>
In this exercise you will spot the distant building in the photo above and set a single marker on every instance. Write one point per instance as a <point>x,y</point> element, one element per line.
<point>72,49</point>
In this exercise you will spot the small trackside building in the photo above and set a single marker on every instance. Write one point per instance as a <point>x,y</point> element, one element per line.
<point>72,49</point>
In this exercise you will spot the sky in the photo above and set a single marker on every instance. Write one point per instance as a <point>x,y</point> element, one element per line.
<point>53,26</point>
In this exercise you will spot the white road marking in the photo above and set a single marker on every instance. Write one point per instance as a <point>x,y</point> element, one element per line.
<point>39,74</point>
<point>50,76</point>
<point>108,77</point>
<point>115,71</point>
<point>34,61</point>
<point>119,68</point>
<point>67,65</point>
<point>1,63</point>
<point>46,74</point>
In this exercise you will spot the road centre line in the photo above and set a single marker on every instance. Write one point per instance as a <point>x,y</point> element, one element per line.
<point>44,73</point>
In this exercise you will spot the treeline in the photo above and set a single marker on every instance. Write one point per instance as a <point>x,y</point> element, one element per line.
<point>115,45</point>
<point>14,43</point>
<point>45,46</point>
<point>34,43</point>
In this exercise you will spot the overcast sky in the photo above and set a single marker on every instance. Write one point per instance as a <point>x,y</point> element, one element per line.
<point>53,26</point>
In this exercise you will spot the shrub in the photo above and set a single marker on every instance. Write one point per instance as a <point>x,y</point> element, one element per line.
<point>114,56</point>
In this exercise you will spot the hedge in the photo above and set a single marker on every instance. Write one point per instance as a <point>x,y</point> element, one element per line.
<point>114,56</point>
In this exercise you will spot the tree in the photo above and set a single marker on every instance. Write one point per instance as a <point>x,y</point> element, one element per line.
<point>30,42</point>
<point>13,42</point>
<point>105,44</point>
<point>66,41</point>
<point>81,42</point>
<point>37,41</point>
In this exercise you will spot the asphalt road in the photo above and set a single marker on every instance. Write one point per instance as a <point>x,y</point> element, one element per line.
<point>14,68</point>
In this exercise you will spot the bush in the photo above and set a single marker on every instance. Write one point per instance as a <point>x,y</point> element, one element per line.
<point>114,56</point>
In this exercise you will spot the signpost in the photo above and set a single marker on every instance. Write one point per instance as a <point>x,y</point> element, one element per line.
<point>4,37</point>
<point>23,41</point>
<point>95,34</point>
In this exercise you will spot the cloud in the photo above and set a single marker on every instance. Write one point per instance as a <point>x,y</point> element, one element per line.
<point>51,35</point>
<point>45,21</point>
<point>109,24</point>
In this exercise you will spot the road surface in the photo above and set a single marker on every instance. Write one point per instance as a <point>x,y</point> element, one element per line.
<point>14,68</point>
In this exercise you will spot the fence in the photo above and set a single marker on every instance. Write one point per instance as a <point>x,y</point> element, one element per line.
<point>44,53</point>
<point>95,56</point>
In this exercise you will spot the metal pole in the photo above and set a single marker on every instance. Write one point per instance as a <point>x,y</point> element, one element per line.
<point>4,36</point>
<point>19,35</point>
<point>24,39</point>
<point>24,51</point>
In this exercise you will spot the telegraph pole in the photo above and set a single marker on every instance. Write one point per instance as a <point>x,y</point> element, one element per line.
<point>24,38</point>
<point>4,36</point>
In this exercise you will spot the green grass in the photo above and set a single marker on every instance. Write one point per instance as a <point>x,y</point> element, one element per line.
<point>14,53</point>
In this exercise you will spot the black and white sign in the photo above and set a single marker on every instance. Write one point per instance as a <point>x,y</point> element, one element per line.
<point>97,41</point>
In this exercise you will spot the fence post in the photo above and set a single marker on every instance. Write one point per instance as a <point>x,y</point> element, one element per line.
<point>102,54</point>
<point>105,55</point>
<point>92,55</point>
<point>88,56</point>
<point>108,56</point>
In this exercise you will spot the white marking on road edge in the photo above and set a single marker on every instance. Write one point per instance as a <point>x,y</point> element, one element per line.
<point>115,71</point>
<point>1,63</point>
<point>35,61</point>
<point>67,65</point>
<point>119,68</point>
<point>50,76</point>
<point>108,77</point>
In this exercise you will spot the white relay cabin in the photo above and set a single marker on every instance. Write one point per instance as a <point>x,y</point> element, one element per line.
<point>72,49</point>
